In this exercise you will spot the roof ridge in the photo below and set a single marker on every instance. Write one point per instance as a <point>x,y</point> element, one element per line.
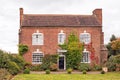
<point>56,15</point>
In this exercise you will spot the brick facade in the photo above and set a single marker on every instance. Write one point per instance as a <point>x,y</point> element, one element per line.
<point>50,32</point>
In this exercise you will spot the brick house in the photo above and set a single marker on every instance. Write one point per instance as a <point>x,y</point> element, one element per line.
<point>43,32</point>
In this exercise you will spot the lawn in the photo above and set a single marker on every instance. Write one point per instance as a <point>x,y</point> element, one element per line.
<point>107,76</point>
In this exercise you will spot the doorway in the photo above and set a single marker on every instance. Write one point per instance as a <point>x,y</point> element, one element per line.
<point>62,62</point>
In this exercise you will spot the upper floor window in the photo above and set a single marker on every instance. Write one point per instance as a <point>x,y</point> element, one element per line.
<point>37,38</point>
<point>85,37</point>
<point>85,56</point>
<point>37,57</point>
<point>61,37</point>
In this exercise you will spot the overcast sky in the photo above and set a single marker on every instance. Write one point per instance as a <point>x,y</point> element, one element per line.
<point>9,16</point>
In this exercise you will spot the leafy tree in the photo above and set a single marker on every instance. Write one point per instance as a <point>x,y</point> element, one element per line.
<point>22,49</point>
<point>110,50</point>
<point>74,51</point>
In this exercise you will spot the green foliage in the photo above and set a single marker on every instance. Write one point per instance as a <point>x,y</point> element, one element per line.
<point>102,72</point>
<point>13,68</point>
<point>18,60</point>
<point>53,67</point>
<point>26,71</point>
<point>4,74</point>
<point>84,66</point>
<point>117,59</point>
<point>111,63</point>
<point>47,71</point>
<point>109,46</point>
<point>96,67</point>
<point>12,63</point>
<point>69,71</point>
<point>48,60</point>
<point>84,72</point>
<point>74,51</point>
<point>35,68</point>
<point>22,49</point>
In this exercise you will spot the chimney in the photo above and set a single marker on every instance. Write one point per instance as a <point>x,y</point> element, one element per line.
<point>98,14</point>
<point>21,15</point>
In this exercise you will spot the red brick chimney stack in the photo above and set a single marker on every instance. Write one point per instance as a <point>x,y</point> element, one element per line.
<point>98,14</point>
<point>21,15</point>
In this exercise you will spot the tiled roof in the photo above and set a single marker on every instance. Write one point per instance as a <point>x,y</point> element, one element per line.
<point>59,20</point>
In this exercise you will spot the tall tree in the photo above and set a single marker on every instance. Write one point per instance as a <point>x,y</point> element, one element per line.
<point>110,50</point>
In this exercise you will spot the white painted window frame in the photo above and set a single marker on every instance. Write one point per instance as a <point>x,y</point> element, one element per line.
<point>85,37</point>
<point>61,38</point>
<point>38,58</point>
<point>39,40</point>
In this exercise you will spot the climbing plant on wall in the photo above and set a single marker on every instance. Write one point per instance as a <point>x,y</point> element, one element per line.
<point>74,51</point>
<point>22,49</point>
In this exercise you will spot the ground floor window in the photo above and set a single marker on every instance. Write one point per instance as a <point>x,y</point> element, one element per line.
<point>37,58</point>
<point>86,57</point>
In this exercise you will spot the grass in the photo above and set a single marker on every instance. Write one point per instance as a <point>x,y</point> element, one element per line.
<point>107,76</point>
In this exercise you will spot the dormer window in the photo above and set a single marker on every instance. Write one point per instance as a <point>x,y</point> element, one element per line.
<point>37,38</point>
<point>61,37</point>
<point>85,37</point>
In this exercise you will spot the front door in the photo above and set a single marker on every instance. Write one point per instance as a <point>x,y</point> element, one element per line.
<point>61,62</point>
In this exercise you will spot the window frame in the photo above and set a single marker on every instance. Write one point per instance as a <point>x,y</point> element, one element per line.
<point>85,37</point>
<point>87,57</point>
<point>37,40</point>
<point>38,58</point>
<point>62,39</point>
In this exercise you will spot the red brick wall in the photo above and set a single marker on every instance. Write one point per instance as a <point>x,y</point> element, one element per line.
<point>51,38</point>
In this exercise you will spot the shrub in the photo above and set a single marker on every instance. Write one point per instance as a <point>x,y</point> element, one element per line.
<point>13,68</point>
<point>96,67</point>
<point>18,60</point>
<point>47,71</point>
<point>22,49</point>
<point>111,64</point>
<point>84,66</point>
<point>53,67</point>
<point>35,68</point>
<point>48,60</point>
<point>26,71</point>
<point>4,74</point>
<point>69,71</point>
<point>84,72</point>
<point>102,72</point>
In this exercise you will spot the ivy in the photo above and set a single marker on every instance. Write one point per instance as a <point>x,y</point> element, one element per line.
<point>74,51</point>
<point>22,49</point>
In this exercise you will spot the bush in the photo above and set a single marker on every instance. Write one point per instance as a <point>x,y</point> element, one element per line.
<point>48,60</point>
<point>69,71</point>
<point>84,72</point>
<point>47,71</point>
<point>26,71</point>
<point>35,68</point>
<point>111,64</point>
<point>4,74</point>
<point>102,72</point>
<point>84,66</point>
<point>13,68</point>
<point>96,68</point>
<point>18,60</point>
<point>53,67</point>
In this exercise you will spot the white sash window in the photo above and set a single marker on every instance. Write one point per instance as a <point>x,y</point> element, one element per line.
<point>85,37</point>
<point>61,37</point>
<point>37,39</point>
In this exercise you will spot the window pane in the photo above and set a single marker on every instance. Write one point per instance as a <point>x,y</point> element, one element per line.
<point>61,38</point>
<point>37,58</point>
<point>37,39</point>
